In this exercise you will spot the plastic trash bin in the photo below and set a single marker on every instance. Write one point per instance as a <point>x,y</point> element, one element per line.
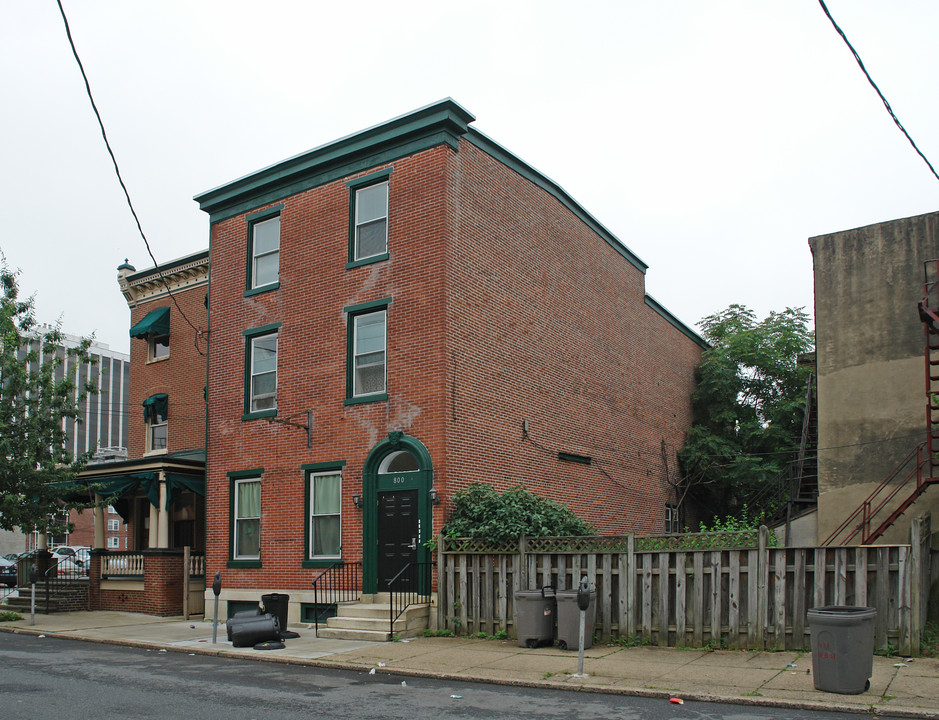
<point>276,604</point>
<point>842,648</point>
<point>569,620</point>
<point>249,631</point>
<point>535,612</point>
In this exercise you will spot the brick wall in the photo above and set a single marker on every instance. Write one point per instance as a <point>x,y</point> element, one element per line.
<point>548,324</point>
<point>181,375</point>
<point>505,307</point>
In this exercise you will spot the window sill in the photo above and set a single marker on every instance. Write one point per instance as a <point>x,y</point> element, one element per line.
<point>259,414</point>
<point>243,564</point>
<point>155,452</point>
<point>150,361</point>
<point>366,261</point>
<point>321,562</point>
<point>262,289</point>
<point>380,397</point>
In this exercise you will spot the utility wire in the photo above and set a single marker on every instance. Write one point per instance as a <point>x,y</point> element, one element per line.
<point>874,85</point>
<point>117,171</point>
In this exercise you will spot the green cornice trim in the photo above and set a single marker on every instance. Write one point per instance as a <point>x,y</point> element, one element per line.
<point>371,305</point>
<point>367,261</point>
<point>264,214</point>
<point>674,321</point>
<point>362,399</point>
<point>262,289</point>
<point>370,179</point>
<point>317,466</point>
<point>491,147</point>
<point>243,564</point>
<point>261,330</point>
<point>239,474</point>
<point>441,123</point>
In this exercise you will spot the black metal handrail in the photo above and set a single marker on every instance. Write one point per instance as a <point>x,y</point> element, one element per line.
<point>411,586</point>
<point>340,582</point>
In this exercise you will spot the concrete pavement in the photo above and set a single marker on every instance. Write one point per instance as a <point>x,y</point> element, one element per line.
<point>782,679</point>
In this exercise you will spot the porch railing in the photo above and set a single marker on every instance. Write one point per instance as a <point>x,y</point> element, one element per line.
<point>411,586</point>
<point>340,582</point>
<point>197,565</point>
<point>122,565</point>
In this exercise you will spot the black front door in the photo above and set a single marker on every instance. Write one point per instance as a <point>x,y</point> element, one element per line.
<point>397,533</point>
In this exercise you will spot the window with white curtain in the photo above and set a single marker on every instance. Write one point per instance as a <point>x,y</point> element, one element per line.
<point>325,517</point>
<point>247,519</point>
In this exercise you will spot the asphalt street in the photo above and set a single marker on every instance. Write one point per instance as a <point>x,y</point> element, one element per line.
<point>62,679</point>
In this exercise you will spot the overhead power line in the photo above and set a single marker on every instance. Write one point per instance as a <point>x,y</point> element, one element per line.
<point>877,89</point>
<point>117,171</point>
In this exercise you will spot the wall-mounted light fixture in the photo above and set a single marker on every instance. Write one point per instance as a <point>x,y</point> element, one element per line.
<point>434,497</point>
<point>357,501</point>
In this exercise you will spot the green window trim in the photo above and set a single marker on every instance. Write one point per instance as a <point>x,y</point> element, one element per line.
<point>250,335</point>
<point>309,470</point>
<point>234,478</point>
<point>355,185</point>
<point>352,313</point>
<point>251,221</point>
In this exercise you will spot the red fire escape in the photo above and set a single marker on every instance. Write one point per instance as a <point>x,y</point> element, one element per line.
<point>918,470</point>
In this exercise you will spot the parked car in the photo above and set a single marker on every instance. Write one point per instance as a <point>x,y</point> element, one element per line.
<point>77,553</point>
<point>12,557</point>
<point>7,572</point>
<point>71,567</point>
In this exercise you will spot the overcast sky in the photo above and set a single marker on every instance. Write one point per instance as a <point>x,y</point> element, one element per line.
<point>712,137</point>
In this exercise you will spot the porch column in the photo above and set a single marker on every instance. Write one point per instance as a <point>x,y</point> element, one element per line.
<point>42,542</point>
<point>99,521</point>
<point>154,521</point>
<point>163,516</point>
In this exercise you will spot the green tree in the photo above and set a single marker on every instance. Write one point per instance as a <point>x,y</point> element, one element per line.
<point>36,396</point>
<point>747,409</point>
<point>480,511</point>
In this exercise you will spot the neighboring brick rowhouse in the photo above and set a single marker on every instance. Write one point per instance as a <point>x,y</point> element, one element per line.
<point>181,375</point>
<point>508,305</point>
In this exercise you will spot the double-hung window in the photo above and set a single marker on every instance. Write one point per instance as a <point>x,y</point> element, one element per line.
<point>155,410</point>
<point>368,218</point>
<point>261,370</point>
<point>264,250</point>
<point>325,536</point>
<point>114,525</point>
<point>367,362</point>
<point>246,518</point>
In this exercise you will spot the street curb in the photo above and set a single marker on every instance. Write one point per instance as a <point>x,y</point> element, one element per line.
<point>869,709</point>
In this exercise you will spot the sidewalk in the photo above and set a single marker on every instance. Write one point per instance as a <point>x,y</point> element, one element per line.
<point>781,679</point>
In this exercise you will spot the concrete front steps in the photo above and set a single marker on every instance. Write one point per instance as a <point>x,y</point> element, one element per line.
<point>370,620</point>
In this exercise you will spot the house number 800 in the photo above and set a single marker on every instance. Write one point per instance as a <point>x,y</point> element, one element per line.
<point>398,481</point>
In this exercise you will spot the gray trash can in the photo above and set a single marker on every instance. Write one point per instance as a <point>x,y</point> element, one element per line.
<point>842,648</point>
<point>535,613</point>
<point>569,620</point>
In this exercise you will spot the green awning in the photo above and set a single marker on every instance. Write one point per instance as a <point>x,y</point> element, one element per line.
<point>157,322</point>
<point>155,405</point>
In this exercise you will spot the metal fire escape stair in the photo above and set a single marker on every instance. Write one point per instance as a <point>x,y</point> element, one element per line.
<point>919,469</point>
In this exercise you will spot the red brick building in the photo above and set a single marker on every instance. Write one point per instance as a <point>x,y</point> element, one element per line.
<point>159,491</point>
<point>403,312</point>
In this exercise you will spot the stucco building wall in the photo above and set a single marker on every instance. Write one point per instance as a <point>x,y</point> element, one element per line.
<point>870,345</point>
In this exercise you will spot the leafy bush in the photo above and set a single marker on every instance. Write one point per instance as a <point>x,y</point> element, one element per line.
<point>480,511</point>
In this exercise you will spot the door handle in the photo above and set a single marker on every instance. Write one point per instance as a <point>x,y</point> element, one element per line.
<point>413,544</point>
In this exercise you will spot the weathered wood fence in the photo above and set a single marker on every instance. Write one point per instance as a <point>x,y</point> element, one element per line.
<point>736,597</point>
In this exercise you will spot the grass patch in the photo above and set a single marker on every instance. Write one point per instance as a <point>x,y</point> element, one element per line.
<point>440,632</point>
<point>9,616</point>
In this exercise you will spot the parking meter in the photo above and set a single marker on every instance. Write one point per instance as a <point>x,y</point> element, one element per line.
<point>583,595</point>
<point>583,602</point>
<point>33,577</point>
<point>216,589</point>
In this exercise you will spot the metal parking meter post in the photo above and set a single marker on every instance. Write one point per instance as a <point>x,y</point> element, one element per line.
<point>33,575</point>
<point>583,602</point>
<point>216,589</point>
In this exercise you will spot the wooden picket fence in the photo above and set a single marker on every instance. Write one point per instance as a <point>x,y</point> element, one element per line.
<point>754,597</point>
